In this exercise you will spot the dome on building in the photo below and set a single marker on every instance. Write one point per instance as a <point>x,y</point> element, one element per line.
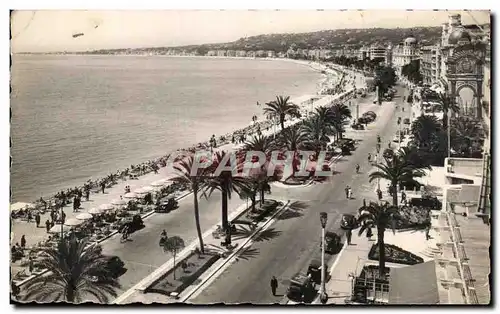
<point>459,35</point>
<point>410,41</point>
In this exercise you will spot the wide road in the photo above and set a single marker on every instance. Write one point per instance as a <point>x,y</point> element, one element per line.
<point>142,253</point>
<point>294,240</point>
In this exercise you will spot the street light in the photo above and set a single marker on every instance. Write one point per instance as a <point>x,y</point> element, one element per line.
<point>323,217</point>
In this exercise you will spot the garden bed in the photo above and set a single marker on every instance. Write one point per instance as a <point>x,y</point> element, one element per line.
<point>395,254</point>
<point>194,266</point>
<point>413,217</point>
<point>296,180</point>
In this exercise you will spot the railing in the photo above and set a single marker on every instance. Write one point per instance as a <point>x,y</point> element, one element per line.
<point>461,255</point>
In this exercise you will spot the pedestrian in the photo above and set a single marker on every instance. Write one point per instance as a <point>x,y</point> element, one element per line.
<point>47,225</point>
<point>29,216</point>
<point>369,233</point>
<point>37,219</point>
<point>75,204</point>
<point>63,217</point>
<point>347,192</point>
<point>427,230</point>
<point>23,241</point>
<point>103,185</point>
<point>379,194</point>
<point>369,158</point>
<point>274,285</point>
<point>87,194</point>
<point>403,196</point>
<point>348,235</point>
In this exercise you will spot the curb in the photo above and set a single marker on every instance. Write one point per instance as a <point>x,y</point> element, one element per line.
<point>146,215</point>
<point>165,267</point>
<point>234,253</point>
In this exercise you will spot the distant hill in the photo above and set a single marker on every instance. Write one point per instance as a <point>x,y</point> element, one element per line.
<point>328,39</point>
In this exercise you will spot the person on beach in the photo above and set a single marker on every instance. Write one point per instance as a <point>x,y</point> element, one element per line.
<point>23,241</point>
<point>29,216</point>
<point>37,219</point>
<point>347,192</point>
<point>103,185</point>
<point>75,203</point>
<point>87,194</point>
<point>63,217</point>
<point>369,157</point>
<point>47,225</point>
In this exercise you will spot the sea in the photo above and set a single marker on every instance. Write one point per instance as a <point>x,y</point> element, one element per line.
<point>75,118</point>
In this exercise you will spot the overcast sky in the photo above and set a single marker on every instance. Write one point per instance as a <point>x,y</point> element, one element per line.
<point>37,31</point>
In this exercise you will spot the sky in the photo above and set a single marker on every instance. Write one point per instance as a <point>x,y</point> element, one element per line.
<point>51,30</point>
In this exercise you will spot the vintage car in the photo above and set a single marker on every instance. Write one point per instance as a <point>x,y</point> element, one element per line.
<point>301,288</point>
<point>167,204</point>
<point>332,241</point>
<point>348,221</point>
<point>314,270</point>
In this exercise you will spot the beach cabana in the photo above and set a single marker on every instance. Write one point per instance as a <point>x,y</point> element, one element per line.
<point>73,222</point>
<point>57,228</point>
<point>106,207</point>
<point>96,211</point>
<point>84,216</point>
<point>130,195</point>
<point>119,202</point>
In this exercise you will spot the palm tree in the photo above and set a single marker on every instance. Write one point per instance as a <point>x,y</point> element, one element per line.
<point>466,135</point>
<point>225,181</point>
<point>195,181</point>
<point>260,143</point>
<point>382,217</point>
<point>398,169</point>
<point>292,139</point>
<point>424,128</point>
<point>316,132</point>
<point>281,108</point>
<point>341,112</point>
<point>449,104</point>
<point>75,272</point>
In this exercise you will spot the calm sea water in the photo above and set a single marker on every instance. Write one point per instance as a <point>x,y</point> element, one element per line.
<point>81,117</point>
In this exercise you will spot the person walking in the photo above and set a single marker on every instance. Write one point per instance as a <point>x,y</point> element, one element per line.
<point>348,235</point>
<point>37,220</point>
<point>379,194</point>
<point>274,285</point>
<point>103,185</point>
<point>427,230</point>
<point>347,192</point>
<point>369,233</point>
<point>87,194</point>
<point>23,241</point>
<point>369,158</point>
<point>403,197</point>
<point>47,225</point>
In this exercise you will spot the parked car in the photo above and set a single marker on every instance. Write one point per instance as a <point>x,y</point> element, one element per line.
<point>332,241</point>
<point>348,221</point>
<point>115,267</point>
<point>301,288</point>
<point>314,270</point>
<point>166,204</point>
<point>357,126</point>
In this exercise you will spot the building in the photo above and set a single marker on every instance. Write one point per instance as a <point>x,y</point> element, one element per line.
<point>364,53</point>
<point>430,64</point>
<point>271,54</point>
<point>221,53</point>
<point>486,101</point>
<point>388,55</point>
<point>377,52</point>
<point>404,53</point>
<point>241,53</point>
<point>231,53</point>
<point>462,60</point>
<point>211,53</point>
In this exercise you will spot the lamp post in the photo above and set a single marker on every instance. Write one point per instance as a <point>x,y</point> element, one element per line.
<point>323,217</point>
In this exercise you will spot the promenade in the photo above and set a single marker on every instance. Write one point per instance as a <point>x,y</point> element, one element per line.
<point>142,255</point>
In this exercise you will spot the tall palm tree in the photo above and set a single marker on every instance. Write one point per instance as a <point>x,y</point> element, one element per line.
<point>195,181</point>
<point>292,139</point>
<point>341,112</point>
<point>226,181</point>
<point>449,104</point>
<point>381,216</point>
<point>316,132</point>
<point>466,135</point>
<point>260,143</point>
<point>75,272</point>
<point>398,169</point>
<point>281,108</point>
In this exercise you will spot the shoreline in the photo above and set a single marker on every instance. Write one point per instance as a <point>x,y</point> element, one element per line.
<point>329,76</point>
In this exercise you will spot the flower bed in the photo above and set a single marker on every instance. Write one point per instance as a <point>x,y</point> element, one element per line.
<point>395,254</point>
<point>413,217</point>
<point>194,266</point>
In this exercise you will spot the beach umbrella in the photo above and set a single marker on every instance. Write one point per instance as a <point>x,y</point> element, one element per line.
<point>130,195</point>
<point>140,192</point>
<point>119,202</point>
<point>106,207</point>
<point>83,216</point>
<point>95,211</point>
<point>159,183</point>
<point>73,222</point>
<point>57,228</point>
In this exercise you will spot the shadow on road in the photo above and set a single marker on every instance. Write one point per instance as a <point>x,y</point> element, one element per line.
<point>244,232</point>
<point>289,214</point>
<point>247,254</point>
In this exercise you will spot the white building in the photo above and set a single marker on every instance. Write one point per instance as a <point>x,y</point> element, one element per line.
<point>405,53</point>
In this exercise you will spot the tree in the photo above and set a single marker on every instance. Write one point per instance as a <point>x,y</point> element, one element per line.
<point>195,182</point>
<point>398,169</point>
<point>467,136</point>
<point>385,78</point>
<point>424,129</point>
<point>341,114</point>
<point>226,181</point>
<point>173,245</point>
<point>316,133</point>
<point>260,143</point>
<point>382,217</point>
<point>281,108</point>
<point>292,139</point>
<point>412,71</point>
<point>75,272</point>
<point>449,104</point>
